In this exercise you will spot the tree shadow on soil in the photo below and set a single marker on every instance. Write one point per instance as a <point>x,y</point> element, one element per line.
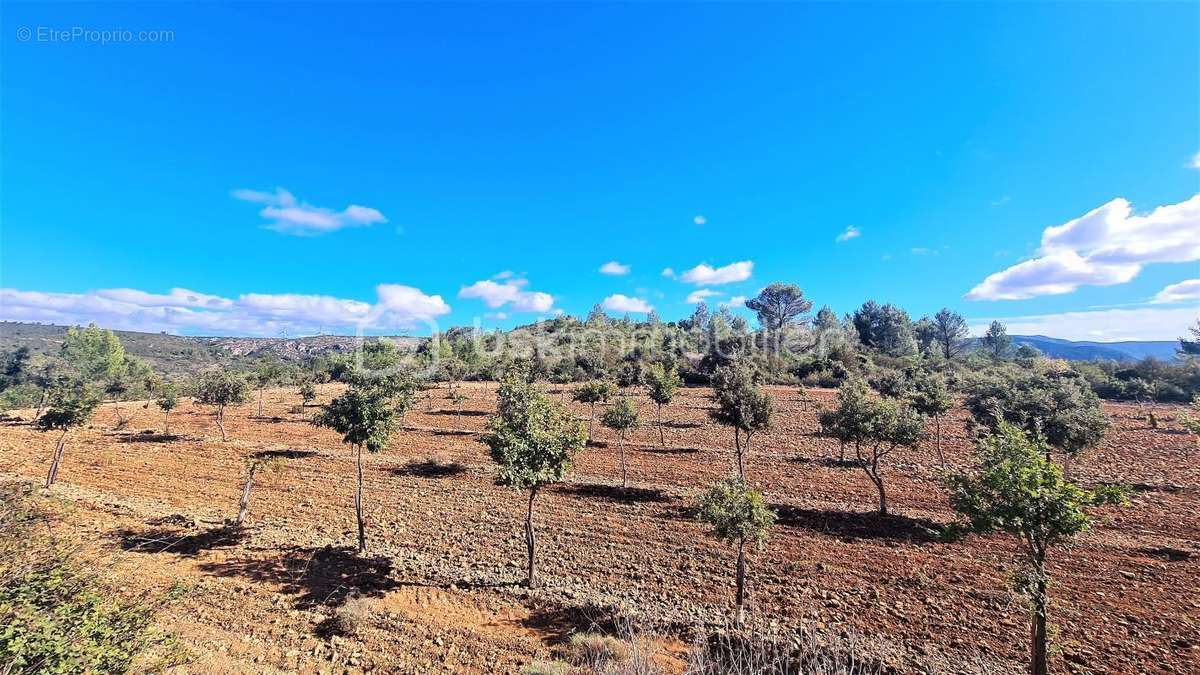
<point>659,450</point>
<point>854,525</point>
<point>180,542</point>
<point>463,413</point>
<point>1167,553</point>
<point>316,576</point>
<point>147,437</point>
<point>284,454</point>
<point>828,462</point>
<point>614,493</point>
<point>430,468</point>
<point>682,425</point>
<point>452,432</point>
<point>559,622</point>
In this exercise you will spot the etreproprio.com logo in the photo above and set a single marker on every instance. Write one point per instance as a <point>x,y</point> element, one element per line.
<point>100,36</point>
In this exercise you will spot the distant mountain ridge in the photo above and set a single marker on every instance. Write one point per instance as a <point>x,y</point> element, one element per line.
<point>1087,351</point>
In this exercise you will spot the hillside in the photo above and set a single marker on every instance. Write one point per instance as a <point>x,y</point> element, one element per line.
<point>1088,351</point>
<point>181,353</point>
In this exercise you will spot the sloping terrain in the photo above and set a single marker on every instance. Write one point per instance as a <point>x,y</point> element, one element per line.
<point>446,549</point>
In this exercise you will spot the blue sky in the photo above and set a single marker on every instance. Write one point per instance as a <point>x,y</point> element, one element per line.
<point>305,166</point>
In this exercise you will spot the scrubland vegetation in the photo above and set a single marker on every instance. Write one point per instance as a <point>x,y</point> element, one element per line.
<point>1032,422</point>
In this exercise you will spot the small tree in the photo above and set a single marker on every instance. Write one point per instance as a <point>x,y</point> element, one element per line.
<point>888,426</point>
<point>950,331</point>
<point>1018,490</point>
<point>265,374</point>
<point>1063,410</point>
<point>365,416</point>
<point>661,385</point>
<point>220,388</point>
<point>532,442</point>
<point>996,341</point>
<point>308,393</point>
<point>591,393</point>
<point>457,398</point>
<point>621,417</point>
<point>168,399</point>
<point>930,397</point>
<point>253,464</point>
<point>742,406</point>
<point>71,406</point>
<point>738,515</point>
<point>847,422</point>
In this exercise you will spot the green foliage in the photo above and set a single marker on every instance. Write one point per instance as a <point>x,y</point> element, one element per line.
<point>950,332</point>
<point>168,397</point>
<point>96,355</point>
<point>55,617</point>
<point>364,415</point>
<point>1017,490</point>
<point>1060,409</point>
<point>928,394</point>
<point>735,511</point>
<point>1192,422</point>
<point>740,402</point>
<point>996,341</point>
<point>621,416</point>
<point>307,391</point>
<point>71,405</point>
<point>890,383</point>
<point>779,305</point>
<point>596,391</point>
<point>886,328</point>
<point>532,439</point>
<point>662,383</point>
<point>849,422</point>
<point>219,387</point>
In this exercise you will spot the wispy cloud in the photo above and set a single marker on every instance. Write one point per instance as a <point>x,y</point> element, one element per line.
<point>851,232</point>
<point>704,275</point>
<point>510,294</point>
<point>614,268</point>
<point>735,302</point>
<point>700,295</point>
<point>182,310</point>
<point>1001,201</point>
<point>1110,325</point>
<point>1184,291</point>
<point>622,303</point>
<point>1194,163</point>
<point>1106,246</point>
<point>700,220</point>
<point>921,250</point>
<point>286,215</point>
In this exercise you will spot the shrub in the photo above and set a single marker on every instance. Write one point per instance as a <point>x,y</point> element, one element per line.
<point>352,615</point>
<point>594,649</point>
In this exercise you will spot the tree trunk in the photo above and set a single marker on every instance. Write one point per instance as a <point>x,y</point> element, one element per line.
<point>737,442</point>
<point>358,505</point>
<point>741,580</point>
<point>873,472</point>
<point>117,408</point>
<point>662,437</point>
<point>624,471</point>
<point>56,459</point>
<point>166,423</point>
<point>842,451</point>
<point>244,505</point>
<point>221,422</point>
<point>531,578</point>
<point>591,418</point>
<point>41,405</point>
<point>260,396</point>
<point>1039,662</point>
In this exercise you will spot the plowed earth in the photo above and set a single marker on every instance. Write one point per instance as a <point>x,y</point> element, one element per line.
<point>446,548</point>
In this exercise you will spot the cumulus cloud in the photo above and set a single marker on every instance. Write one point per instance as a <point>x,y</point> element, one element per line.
<point>287,215</point>
<point>700,220</point>
<point>1106,246</point>
<point>700,295</point>
<point>851,232</point>
<point>181,310</point>
<point>735,302</point>
<point>1195,161</point>
<point>621,303</point>
<point>614,268</point>
<point>1184,291</point>
<point>1110,325</point>
<point>668,273</point>
<point>510,294</point>
<point>704,275</point>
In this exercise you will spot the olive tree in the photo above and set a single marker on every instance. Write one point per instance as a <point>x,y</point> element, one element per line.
<point>621,417</point>
<point>168,399</point>
<point>71,405</point>
<point>221,388</point>
<point>742,405</point>
<point>365,416</point>
<point>929,396</point>
<point>532,442</point>
<point>661,385</point>
<point>738,515</point>
<point>591,393</point>
<point>1017,489</point>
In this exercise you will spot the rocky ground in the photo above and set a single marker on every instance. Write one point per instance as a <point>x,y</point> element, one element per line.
<point>446,548</point>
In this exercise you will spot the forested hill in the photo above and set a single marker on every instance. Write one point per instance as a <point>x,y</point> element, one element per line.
<point>1089,351</point>
<point>180,353</point>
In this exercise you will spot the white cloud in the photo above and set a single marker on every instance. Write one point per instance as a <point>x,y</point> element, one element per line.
<point>668,273</point>
<point>700,295</point>
<point>506,274</point>
<point>1195,161</point>
<point>614,268</point>
<point>1002,201</point>
<point>621,303</point>
<point>181,310</point>
<point>1110,325</point>
<point>1184,291</point>
<point>700,220</point>
<point>851,232</point>
<point>735,302</point>
<point>1106,246</point>
<point>287,215</point>
<point>509,294</point>
<point>921,250</point>
<point>703,275</point>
